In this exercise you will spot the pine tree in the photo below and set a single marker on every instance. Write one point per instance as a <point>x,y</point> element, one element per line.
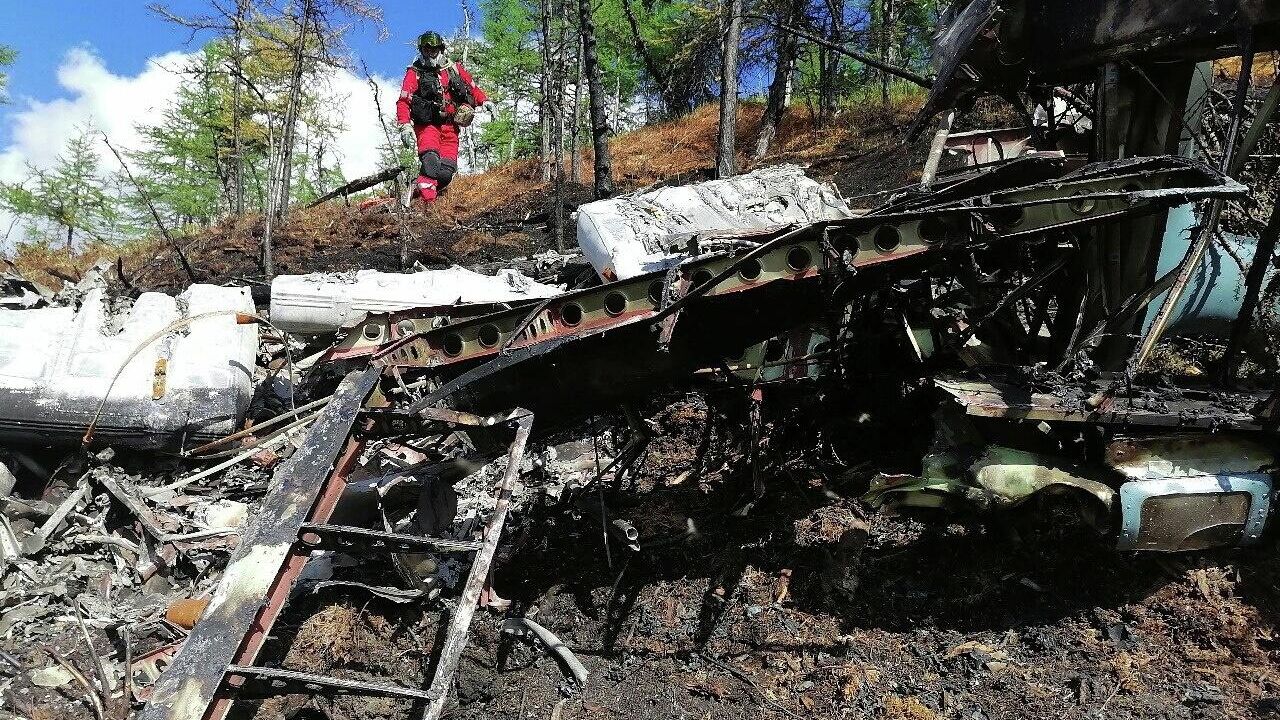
<point>187,166</point>
<point>70,203</point>
<point>508,65</point>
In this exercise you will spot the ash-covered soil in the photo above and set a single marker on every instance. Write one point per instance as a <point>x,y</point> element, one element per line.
<point>812,606</point>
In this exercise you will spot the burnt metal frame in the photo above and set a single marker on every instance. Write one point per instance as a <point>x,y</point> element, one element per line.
<point>1106,190</point>
<point>199,684</point>
<point>321,536</point>
<point>1105,183</point>
<point>216,661</point>
<point>261,573</point>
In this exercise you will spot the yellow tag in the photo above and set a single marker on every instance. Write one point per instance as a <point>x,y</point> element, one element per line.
<point>161,376</point>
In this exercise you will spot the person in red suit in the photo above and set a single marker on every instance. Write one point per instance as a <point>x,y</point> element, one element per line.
<point>436,99</point>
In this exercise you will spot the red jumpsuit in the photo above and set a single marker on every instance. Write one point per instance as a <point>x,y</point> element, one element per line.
<point>437,144</point>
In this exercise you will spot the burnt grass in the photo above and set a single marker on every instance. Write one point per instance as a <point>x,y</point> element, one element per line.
<point>814,605</point>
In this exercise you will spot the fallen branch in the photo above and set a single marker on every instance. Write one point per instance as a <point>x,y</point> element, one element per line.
<point>95,701</point>
<point>155,215</point>
<point>98,669</point>
<point>358,185</point>
<point>867,60</point>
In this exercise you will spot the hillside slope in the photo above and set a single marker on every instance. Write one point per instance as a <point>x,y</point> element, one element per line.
<point>505,212</point>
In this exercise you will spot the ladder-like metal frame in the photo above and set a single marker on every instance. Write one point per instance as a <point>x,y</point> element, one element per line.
<point>216,662</point>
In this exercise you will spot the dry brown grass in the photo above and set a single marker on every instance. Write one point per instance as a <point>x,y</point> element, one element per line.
<point>687,146</point>
<point>332,637</point>
<point>470,196</point>
<point>44,264</point>
<point>1266,68</point>
<point>684,147</point>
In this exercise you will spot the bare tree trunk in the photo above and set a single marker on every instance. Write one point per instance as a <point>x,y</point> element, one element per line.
<point>590,65</point>
<point>726,151</point>
<point>468,135</point>
<point>279,169</point>
<point>786,46</point>
<point>515,125</point>
<point>269,205</point>
<point>617,101</point>
<point>575,147</point>
<point>291,109</point>
<point>319,153</point>
<point>545,112</point>
<point>237,148</point>
<point>888,25</point>
<point>831,61</point>
<point>557,122</point>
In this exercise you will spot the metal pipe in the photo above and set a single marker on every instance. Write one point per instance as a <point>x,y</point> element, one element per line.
<point>1230,166</point>
<point>314,404</point>
<point>522,626</point>
<point>267,444</point>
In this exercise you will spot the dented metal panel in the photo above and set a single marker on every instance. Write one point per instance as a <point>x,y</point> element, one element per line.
<point>1193,513</point>
<point>328,302</point>
<point>638,234</point>
<point>1190,454</point>
<point>1085,403</point>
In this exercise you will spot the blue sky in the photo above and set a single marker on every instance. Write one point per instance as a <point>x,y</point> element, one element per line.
<point>125,34</point>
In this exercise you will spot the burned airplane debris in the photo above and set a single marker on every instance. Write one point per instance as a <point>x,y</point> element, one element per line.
<point>969,345</point>
<point>627,336</point>
<point>764,309</point>
<point>161,371</point>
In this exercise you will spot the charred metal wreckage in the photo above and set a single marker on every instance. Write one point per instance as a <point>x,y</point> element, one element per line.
<point>1003,300</point>
<point>787,299</point>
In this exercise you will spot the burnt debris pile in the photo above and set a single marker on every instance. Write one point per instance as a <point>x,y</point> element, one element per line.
<point>754,449</point>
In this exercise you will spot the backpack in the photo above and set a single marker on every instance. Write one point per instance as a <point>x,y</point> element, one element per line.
<point>427,106</point>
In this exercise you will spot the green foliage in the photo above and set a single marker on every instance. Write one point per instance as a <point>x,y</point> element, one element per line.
<point>187,165</point>
<point>683,38</point>
<point>188,153</point>
<point>509,62</point>
<point>904,40</point>
<point>70,203</point>
<point>7,57</point>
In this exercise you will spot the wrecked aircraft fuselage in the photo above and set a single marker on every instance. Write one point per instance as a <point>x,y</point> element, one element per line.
<point>998,301</point>
<point>733,315</point>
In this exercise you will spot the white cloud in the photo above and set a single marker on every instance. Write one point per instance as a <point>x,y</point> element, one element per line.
<point>113,104</point>
<point>353,105</point>
<point>116,104</point>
